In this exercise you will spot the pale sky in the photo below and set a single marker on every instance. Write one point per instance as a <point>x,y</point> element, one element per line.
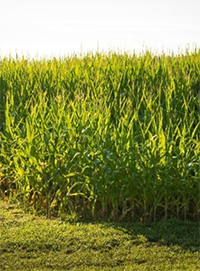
<point>62,27</point>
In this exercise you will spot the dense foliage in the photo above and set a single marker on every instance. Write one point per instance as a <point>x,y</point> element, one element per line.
<point>114,136</point>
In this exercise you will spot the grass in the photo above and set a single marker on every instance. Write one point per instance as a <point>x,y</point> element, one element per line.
<point>31,242</point>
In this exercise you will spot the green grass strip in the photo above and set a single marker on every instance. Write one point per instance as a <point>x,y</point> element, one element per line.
<point>30,242</point>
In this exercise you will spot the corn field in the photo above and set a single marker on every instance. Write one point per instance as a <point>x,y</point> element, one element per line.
<point>105,136</point>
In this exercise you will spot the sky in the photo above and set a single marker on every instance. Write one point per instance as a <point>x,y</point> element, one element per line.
<point>48,28</point>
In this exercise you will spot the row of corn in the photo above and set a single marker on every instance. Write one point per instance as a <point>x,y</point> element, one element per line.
<point>109,136</point>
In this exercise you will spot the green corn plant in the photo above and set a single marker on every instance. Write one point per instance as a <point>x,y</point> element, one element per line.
<point>114,136</point>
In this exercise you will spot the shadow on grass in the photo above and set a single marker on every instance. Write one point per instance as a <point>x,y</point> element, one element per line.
<point>184,234</point>
<point>171,232</point>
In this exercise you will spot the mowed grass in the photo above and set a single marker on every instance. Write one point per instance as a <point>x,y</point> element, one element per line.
<point>30,242</point>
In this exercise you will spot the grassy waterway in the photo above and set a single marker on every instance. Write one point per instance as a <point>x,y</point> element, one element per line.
<point>30,242</point>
